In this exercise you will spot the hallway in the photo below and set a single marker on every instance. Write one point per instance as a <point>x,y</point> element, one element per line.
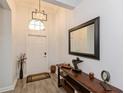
<point>43,86</point>
<point>37,35</point>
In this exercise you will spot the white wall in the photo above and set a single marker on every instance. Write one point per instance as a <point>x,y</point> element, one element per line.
<point>5,49</point>
<point>110,12</point>
<point>7,61</point>
<point>12,7</point>
<point>62,18</point>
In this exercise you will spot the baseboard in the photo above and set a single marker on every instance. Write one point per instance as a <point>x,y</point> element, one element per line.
<point>14,84</point>
<point>9,88</point>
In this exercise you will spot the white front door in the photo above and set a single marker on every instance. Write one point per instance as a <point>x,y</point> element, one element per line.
<point>36,54</point>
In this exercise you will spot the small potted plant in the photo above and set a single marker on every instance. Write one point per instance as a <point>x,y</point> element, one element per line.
<point>21,60</point>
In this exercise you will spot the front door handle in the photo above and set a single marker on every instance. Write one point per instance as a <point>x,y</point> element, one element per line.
<point>45,53</point>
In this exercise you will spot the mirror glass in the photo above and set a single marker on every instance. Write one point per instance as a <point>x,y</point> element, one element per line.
<point>82,40</point>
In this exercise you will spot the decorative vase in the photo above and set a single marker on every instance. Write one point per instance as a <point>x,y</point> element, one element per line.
<point>21,60</point>
<point>91,75</point>
<point>53,68</point>
<point>21,71</point>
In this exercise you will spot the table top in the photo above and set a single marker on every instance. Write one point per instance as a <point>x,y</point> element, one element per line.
<point>92,85</point>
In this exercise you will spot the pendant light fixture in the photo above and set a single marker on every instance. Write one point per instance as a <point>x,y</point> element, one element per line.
<point>39,14</point>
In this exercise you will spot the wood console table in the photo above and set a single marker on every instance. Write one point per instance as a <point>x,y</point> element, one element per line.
<point>81,82</point>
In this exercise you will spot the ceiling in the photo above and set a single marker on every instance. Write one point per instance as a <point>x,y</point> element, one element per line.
<point>68,4</point>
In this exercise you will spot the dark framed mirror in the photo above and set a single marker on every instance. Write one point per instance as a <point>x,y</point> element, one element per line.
<point>84,39</point>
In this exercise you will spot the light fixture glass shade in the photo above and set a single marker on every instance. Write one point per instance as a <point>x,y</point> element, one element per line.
<point>39,15</point>
<point>36,25</point>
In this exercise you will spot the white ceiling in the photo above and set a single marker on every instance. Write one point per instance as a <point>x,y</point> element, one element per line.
<point>70,4</point>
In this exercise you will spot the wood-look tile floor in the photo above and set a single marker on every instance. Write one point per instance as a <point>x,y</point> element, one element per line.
<point>42,86</point>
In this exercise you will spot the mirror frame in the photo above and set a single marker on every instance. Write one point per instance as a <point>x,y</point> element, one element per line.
<point>96,55</point>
